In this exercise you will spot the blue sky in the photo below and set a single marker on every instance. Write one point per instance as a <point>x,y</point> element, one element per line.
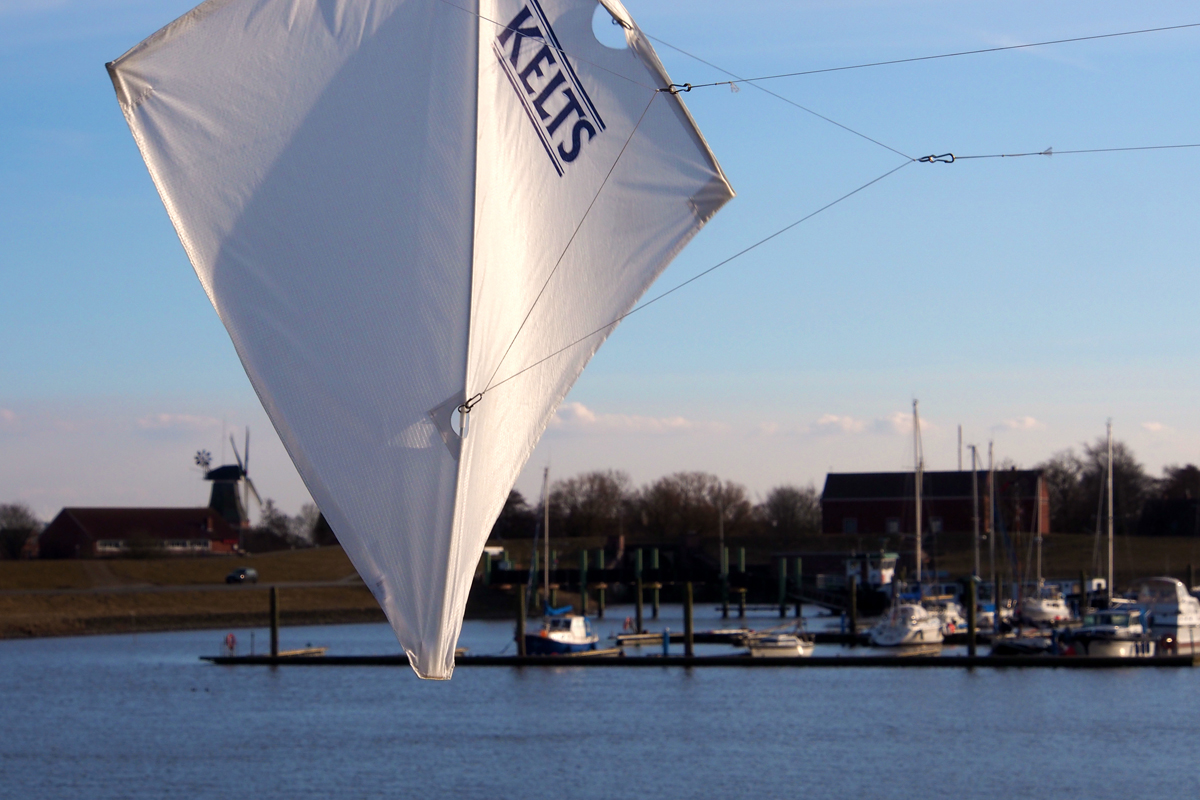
<point>1026,299</point>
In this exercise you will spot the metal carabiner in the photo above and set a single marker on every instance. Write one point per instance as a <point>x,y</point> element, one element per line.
<point>944,158</point>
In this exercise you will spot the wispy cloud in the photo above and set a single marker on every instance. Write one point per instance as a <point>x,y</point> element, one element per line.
<point>578,417</point>
<point>834,423</point>
<point>176,422</point>
<point>1021,424</point>
<point>1155,427</point>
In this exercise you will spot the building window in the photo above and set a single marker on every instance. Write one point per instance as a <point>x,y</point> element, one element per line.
<point>892,525</point>
<point>935,524</point>
<point>849,524</point>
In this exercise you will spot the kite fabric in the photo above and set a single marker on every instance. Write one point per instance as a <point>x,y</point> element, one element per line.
<point>400,206</point>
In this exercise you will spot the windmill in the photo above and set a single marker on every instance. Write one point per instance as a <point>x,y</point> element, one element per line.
<point>226,499</point>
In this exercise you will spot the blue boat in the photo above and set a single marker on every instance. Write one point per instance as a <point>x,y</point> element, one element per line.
<point>561,634</point>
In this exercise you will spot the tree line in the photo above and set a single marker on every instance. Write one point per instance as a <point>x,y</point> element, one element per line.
<point>606,503</point>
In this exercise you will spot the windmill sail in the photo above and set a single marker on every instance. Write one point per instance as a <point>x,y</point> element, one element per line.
<point>397,205</point>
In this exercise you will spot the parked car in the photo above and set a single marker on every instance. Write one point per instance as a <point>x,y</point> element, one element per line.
<point>242,575</point>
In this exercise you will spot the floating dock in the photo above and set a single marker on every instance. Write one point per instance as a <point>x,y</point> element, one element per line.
<point>607,659</point>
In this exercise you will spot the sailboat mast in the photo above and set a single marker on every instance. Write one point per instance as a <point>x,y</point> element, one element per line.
<point>546,532</point>
<point>1037,517</point>
<point>919,477</point>
<point>1110,514</point>
<point>975,504</point>
<point>991,529</point>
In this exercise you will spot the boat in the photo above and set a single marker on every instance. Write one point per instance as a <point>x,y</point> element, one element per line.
<point>779,645</point>
<point>949,612</point>
<point>436,216</point>
<point>1173,615</point>
<point>562,632</point>
<point>907,625</point>
<point>1048,606</point>
<point>562,635</point>
<point>1112,633</point>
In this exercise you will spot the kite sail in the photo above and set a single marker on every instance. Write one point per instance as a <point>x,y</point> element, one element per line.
<point>407,214</point>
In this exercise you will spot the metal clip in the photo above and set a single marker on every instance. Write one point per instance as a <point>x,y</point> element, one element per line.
<point>676,88</point>
<point>466,407</point>
<point>944,158</point>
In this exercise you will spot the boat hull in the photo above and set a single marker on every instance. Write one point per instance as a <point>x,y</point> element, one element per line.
<point>538,645</point>
<point>1115,648</point>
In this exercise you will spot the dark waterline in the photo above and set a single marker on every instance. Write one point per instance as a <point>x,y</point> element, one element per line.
<point>141,717</point>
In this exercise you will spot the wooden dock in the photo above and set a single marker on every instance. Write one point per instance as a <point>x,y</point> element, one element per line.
<point>607,659</point>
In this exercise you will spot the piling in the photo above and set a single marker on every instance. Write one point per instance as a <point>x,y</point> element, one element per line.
<point>1083,603</point>
<point>553,598</point>
<point>742,589</point>
<point>657,585</point>
<point>521,621</point>
<point>782,587</point>
<point>600,587</point>
<point>638,589</point>
<point>274,622</point>
<point>583,583</point>
<point>487,569</point>
<point>724,583</point>
<point>972,613</point>
<point>689,629</point>
<point>853,627</point>
<point>996,603</point>
<point>799,585</point>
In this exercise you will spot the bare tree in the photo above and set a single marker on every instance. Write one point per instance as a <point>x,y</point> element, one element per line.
<point>17,524</point>
<point>591,504</point>
<point>691,502</point>
<point>793,511</point>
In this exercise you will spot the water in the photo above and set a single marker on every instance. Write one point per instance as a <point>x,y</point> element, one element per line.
<point>141,717</point>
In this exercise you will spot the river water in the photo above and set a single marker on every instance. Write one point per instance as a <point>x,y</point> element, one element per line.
<point>139,716</point>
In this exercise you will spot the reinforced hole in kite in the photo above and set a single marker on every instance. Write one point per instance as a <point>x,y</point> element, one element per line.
<point>460,422</point>
<point>607,30</point>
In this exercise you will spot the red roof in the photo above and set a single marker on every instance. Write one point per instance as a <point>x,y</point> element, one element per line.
<point>159,523</point>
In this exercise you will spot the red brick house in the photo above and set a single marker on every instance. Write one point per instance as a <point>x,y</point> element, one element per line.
<point>100,532</point>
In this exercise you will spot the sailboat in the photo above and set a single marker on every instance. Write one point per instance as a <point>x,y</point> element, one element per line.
<point>911,623</point>
<point>418,221</point>
<point>561,631</point>
<point>1046,605</point>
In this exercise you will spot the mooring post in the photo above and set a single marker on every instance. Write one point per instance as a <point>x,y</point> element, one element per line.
<point>1083,603</point>
<point>689,645</point>
<point>583,583</point>
<point>996,603</point>
<point>782,587</point>
<point>972,613</point>
<point>274,622</point>
<point>601,586</point>
<point>657,586</point>
<point>724,583</point>
<point>553,565</point>
<point>666,641</point>
<point>799,585</point>
<point>521,620</point>
<point>487,569</point>
<point>637,588</point>
<point>853,610</point>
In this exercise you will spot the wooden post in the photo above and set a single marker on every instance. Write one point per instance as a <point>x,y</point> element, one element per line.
<point>782,587</point>
<point>274,622</point>
<point>583,582</point>
<point>741,602</point>
<point>521,620</point>
<point>724,583</point>
<point>638,589</point>
<point>1083,602</point>
<point>996,603</point>
<point>551,565</point>
<point>853,610</point>
<point>742,588</point>
<point>799,585</point>
<point>601,586</point>
<point>487,569</point>
<point>972,613</point>
<point>654,596</point>
<point>689,648</point>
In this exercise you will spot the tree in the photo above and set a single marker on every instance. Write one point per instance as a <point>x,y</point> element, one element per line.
<point>1068,507</point>
<point>1077,486</point>
<point>693,502</point>
<point>516,520</point>
<point>304,524</point>
<point>1179,483</point>
<point>17,524</point>
<point>275,531</point>
<point>793,511</point>
<point>591,504</point>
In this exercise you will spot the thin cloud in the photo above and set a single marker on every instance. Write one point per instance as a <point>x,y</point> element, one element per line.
<point>833,423</point>
<point>1155,427</point>
<point>1021,424</point>
<point>176,422</point>
<point>578,417</point>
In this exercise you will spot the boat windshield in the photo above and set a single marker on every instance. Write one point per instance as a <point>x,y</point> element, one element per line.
<point>1119,620</point>
<point>559,624</point>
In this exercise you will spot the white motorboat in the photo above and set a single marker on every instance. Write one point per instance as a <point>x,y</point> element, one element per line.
<point>1172,613</point>
<point>949,612</point>
<point>779,645</point>
<point>1112,632</point>
<point>1047,607</point>
<point>906,625</point>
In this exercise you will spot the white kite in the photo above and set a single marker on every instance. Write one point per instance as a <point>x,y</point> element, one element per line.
<point>409,213</point>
